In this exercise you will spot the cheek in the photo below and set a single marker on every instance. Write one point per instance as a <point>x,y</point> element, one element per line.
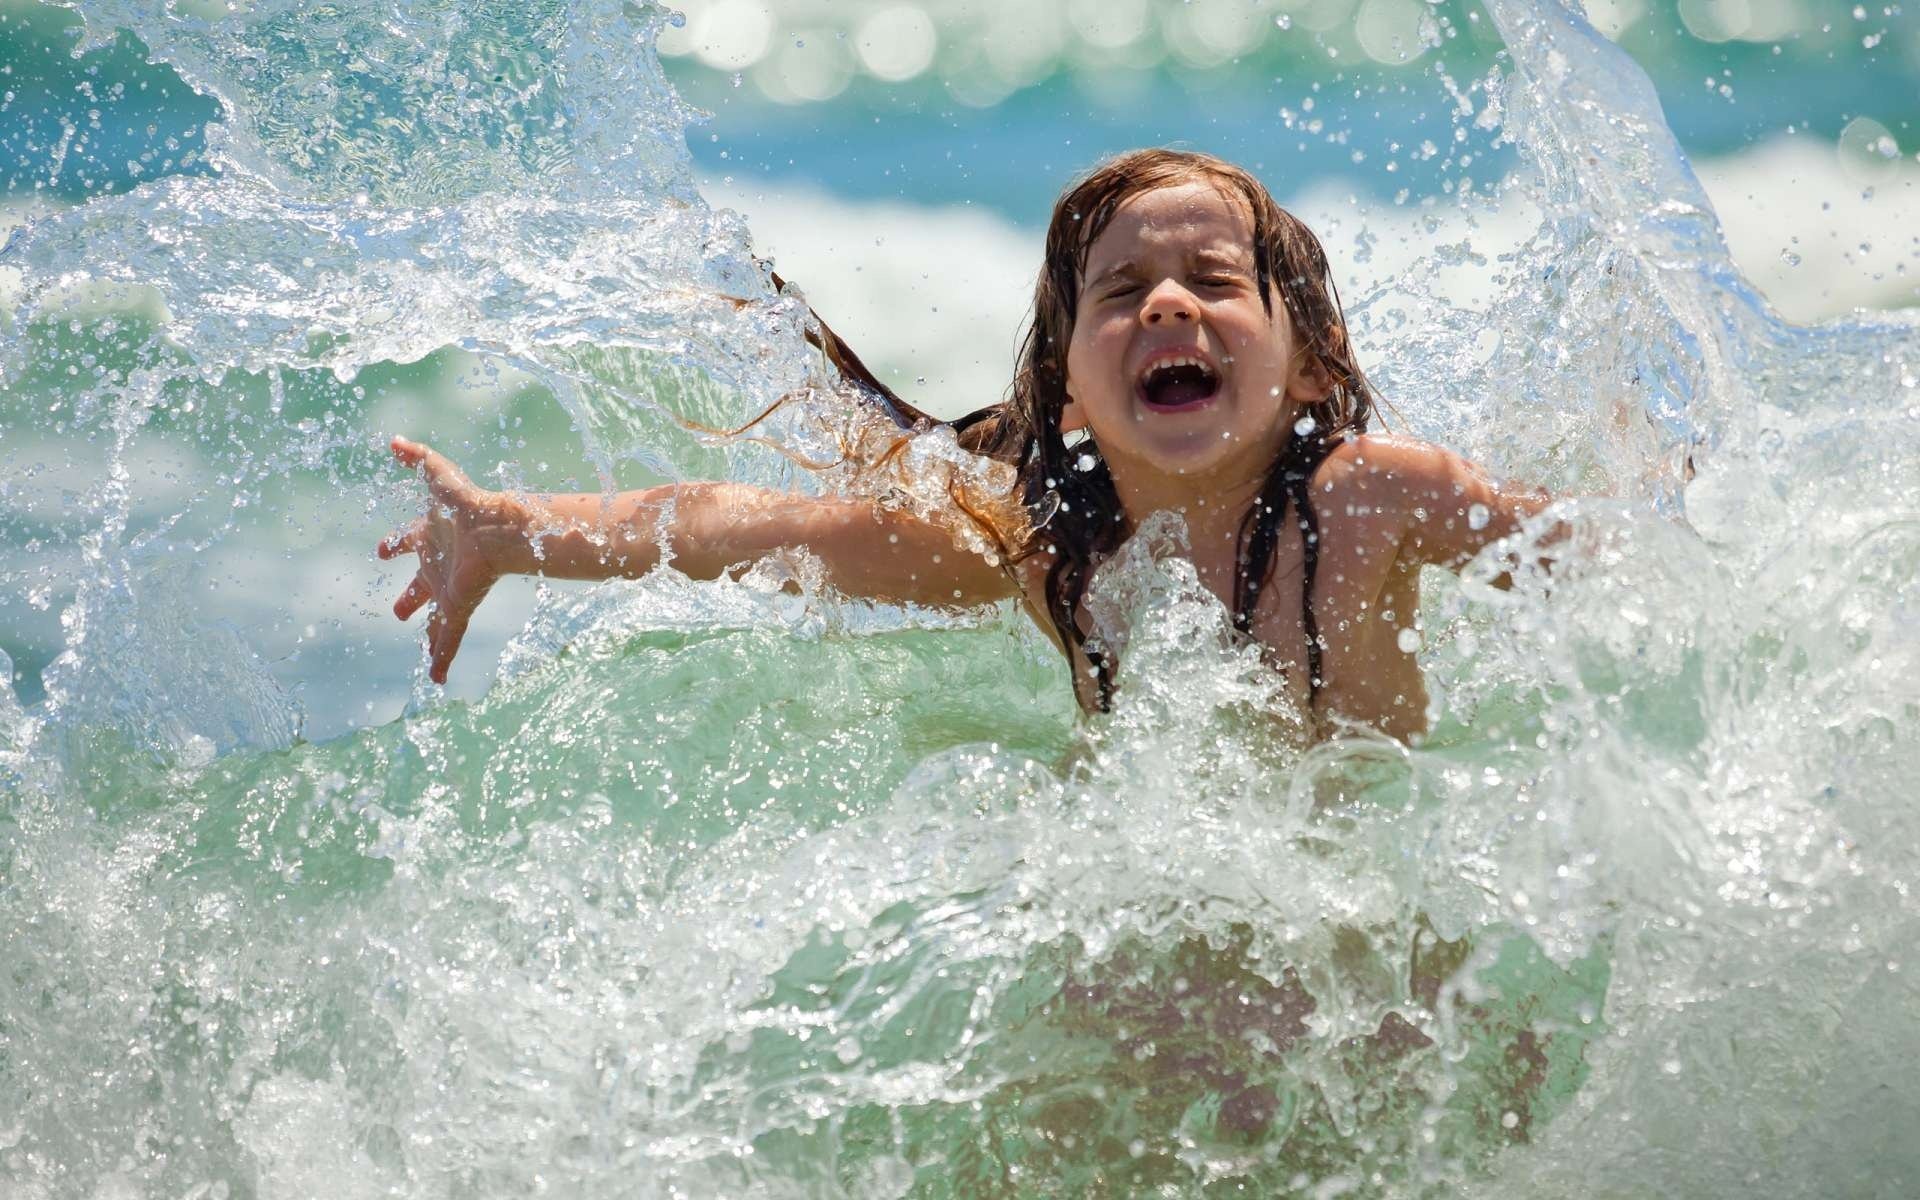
<point>1083,361</point>
<point>1076,369</point>
<point>1261,346</point>
<point>1092,354</point>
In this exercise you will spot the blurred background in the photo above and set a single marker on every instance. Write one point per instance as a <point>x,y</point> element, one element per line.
<point>898,159</point>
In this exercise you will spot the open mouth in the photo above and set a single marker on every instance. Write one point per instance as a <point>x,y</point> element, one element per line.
<point>1173,384</point>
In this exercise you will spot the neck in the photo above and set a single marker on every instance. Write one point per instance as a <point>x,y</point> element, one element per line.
<point>1214,505</point>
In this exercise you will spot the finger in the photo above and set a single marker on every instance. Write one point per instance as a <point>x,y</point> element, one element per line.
<point>444,479</point>
<point>437,467</point>
<point>453,627</point>
<point>442,476</point>
<point>417,593</point>
<point>402,541</point>
<point>410,453</point>
<point>436,627</point>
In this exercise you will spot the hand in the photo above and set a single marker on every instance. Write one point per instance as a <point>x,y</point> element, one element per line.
<point>465,543</point>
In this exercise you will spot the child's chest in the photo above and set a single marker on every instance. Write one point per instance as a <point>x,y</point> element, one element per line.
<point>1358,605</point>
<point>1360,609</point>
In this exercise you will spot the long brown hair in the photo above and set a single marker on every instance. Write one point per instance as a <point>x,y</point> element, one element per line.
<point>1073,511</point>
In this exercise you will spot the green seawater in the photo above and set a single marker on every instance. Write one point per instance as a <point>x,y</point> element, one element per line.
<point>551,894</point>
<point>747,889</point>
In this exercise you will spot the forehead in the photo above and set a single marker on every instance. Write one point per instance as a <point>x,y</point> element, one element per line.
<point>1182,218</point>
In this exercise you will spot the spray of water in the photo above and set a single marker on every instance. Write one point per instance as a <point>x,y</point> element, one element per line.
<point>743,889</point>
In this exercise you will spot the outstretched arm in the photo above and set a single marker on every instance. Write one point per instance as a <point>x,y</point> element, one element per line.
<point>470,537</point>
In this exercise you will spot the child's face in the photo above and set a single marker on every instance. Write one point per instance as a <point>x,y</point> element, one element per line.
<point>1175,364</point>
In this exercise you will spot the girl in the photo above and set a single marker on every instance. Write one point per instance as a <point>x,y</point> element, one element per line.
<point>1187,326</point>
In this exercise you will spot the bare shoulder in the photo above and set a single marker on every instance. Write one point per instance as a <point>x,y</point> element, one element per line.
<point>1386,474</point>
<point>1443,507</point>
<point>1374,459</point>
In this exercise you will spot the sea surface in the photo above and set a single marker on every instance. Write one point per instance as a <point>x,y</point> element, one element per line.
<point>746,889</point>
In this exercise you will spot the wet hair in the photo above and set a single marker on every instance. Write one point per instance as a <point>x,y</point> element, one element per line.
<point>1073,512</point>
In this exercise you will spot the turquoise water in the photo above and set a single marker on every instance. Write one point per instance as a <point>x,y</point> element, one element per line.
<point>733,889</point>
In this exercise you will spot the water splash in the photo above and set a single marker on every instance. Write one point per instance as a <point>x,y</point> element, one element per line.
<point>739,888</point>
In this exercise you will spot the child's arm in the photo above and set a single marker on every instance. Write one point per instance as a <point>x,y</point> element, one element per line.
<point>470,537</point>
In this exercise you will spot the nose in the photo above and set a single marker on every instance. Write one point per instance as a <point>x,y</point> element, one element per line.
<point>1168,301</point>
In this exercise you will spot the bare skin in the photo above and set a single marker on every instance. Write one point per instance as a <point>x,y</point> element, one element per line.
<point>1171,275</point>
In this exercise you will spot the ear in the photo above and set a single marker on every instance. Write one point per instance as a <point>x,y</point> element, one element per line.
<point>1309,382</point>
<point>1072,416</point>
<point>1309,379</point>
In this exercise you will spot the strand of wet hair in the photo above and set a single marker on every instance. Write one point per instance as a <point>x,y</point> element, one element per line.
<point>1066,491</point>
<point>844,361</point>
<point>1310,557</point>
<point>1260,535</point>
<point>871,394</point>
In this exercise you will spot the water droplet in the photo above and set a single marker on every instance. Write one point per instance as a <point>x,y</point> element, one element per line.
<point>1304,426</point>
<point>1407,640</point>
<point>1478,516</point>
<point>847,1051</point>
<point>1509,1119</point>
<point>1283,21</point>
<point>1086,462</point>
